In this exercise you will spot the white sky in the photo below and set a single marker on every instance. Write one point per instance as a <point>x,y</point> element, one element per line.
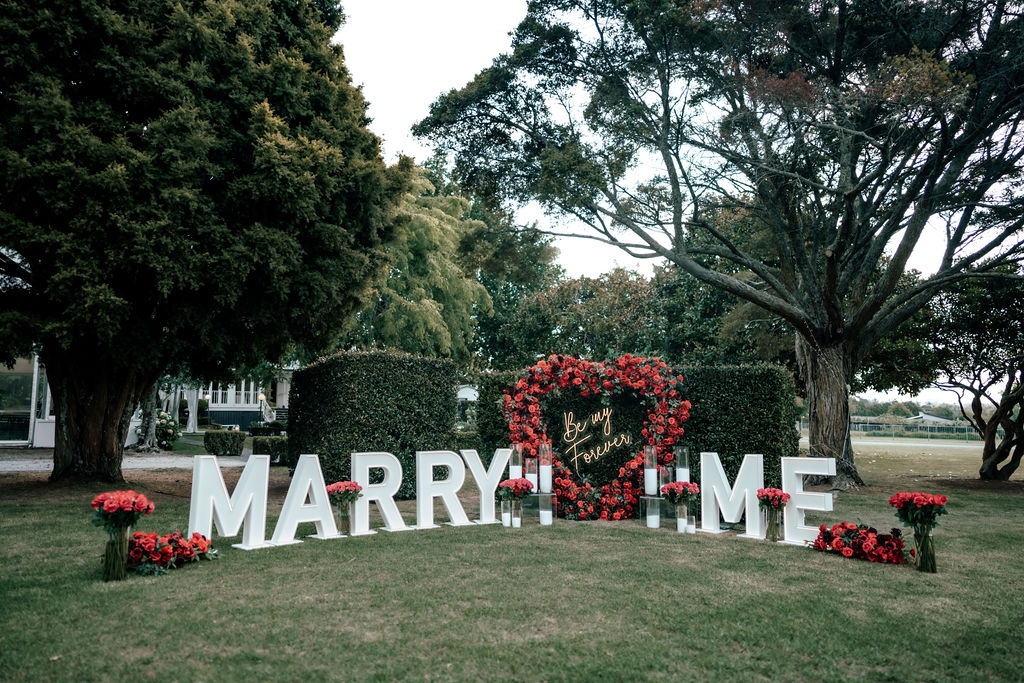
<point>404,53</point>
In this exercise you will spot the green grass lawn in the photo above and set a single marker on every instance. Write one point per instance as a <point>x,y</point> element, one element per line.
<point>576,601</point>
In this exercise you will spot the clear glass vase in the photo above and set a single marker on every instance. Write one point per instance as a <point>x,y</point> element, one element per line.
<point>344,519</point>
<point>512,513</point>
<point>682,518</point>
<point>772,523</point>
<point>115,555</point>
<point>925,549</point>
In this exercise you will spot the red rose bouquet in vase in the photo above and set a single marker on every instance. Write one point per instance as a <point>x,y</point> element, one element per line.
<point>772,502</point>
<point>116,512</point>
<point>681,494</point>
<point>921,511</point>
<point>511,493</point>
<point>343,494</point>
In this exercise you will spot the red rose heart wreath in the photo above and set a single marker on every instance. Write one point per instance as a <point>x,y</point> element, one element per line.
<point>648,378</point>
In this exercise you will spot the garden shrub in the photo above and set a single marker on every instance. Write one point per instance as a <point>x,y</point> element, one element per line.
<point>273,428</point>
<point>167,430</point>
<point>491,428</point>
<point>735,410</point>
<point>274,446</point>
<point>371,401</point>
<point>224,443</point>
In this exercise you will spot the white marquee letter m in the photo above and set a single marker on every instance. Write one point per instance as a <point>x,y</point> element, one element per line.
<point>248,503</point>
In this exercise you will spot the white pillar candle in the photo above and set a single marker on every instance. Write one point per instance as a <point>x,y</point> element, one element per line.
<point>650,482</point>
<point>506,518</point>
<point>545,517</point>
<point>682,474</point>
<point>653,518</point>
<point>545,478</point>
<point>517,522</point>
<point>515,471</point>
<point>532,478</point>
<point>691,528</point>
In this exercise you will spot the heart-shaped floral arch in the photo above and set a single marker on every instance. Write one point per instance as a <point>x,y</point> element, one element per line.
<point>648,378</point>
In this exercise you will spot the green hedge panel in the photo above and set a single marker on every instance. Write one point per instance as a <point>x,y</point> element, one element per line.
<point>371,401</point>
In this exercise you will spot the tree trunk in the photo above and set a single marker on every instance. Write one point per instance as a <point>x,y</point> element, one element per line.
<point>93,404</point>
<point>150,403</point>
<point>826,371</point>
<point>1011,446</point>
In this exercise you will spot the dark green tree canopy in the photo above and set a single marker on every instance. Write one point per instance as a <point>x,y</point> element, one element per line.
<point>187,182</point>
<point>844,127</point>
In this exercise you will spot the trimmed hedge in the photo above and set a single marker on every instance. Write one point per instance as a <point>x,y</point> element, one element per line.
<point>274,446</point>
<point>371,401</point>
<point>735,410</point>
<point>224,443</point>
<point>266,428</point>
<point>491,428</point>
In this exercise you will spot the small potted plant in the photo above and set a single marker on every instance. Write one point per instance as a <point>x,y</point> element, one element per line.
<point>342,495</point>
<point>511,493</point>
<point>772,502</point>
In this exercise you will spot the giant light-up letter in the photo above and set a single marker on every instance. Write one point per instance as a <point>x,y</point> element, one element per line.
<point>247,505</point>
<point>716,494</point>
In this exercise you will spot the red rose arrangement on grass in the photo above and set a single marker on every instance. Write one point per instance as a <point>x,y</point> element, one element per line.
<point>344,492</point>
<point>514,489</point>
<point>772,501</point>
<point>768,499</point>
<point>921,511</point>
<point>342,495</point>
<point>860,542</point>
<point>116,512</point>
<point>151,553</point>
<point>680,492</point>
<point>650,378</point>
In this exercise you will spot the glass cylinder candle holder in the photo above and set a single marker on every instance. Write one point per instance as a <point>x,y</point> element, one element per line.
<point>544,462</point>
<point>664,477</point>
<point>512,511</point>
<point>681,455</point>
<point>653,512</point>
<point>546,509</point>
<point>682,523</point>
<point>515,462</point>
<point>693,515</point>
<point>531,472</point>
<point>650,471</point>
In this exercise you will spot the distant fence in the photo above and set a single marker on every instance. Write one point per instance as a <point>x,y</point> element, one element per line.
<point>912,431</point>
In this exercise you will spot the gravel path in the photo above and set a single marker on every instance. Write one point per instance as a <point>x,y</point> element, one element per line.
<point>33,463</point>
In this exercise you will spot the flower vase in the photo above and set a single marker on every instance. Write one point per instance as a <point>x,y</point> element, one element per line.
<point>344,520</point>
<point>512,513</point>
<point>773,518</point>
<point>682,518</point>
<point>115,555</point>
<point>925,545</point>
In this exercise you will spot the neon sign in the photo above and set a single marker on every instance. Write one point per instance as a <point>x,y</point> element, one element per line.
<point>577,434</point>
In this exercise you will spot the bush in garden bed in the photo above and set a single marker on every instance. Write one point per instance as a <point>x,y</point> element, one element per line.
<point>274,446</point>
<point>371,401</point>
<point>224,443</point>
